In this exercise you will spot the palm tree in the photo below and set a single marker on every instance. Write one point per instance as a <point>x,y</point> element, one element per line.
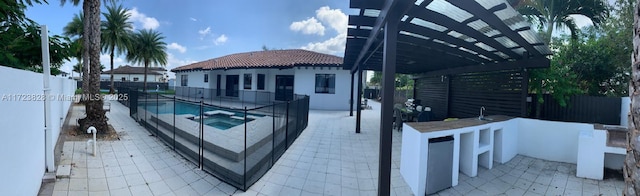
<point>147,47</point>
<point>116,33</point>
<point>554,14</point>
<point>75,30</point>
<point>91,52</point>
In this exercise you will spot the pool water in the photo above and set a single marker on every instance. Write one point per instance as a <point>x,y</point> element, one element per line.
<point>220,121</point>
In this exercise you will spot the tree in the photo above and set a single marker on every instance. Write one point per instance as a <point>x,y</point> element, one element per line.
<point>615,34</point>
<point>91,52</point>
<point>20,41</point>
<point>147,48</point>
<point>116,34</point>
<point>376,78</point>
<point>631,167</point>
<point>78,67</point>
<point>552,14</point>
<point>75,30</point>
<point>593,59</point>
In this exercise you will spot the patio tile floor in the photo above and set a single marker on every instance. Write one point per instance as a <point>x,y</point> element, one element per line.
<point>328,158</point>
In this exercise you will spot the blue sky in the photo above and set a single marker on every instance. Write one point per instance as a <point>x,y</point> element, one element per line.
<point>201,30</point>
<point>198,30</point>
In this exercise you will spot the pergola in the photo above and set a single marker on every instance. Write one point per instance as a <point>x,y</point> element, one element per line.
<point>433,38</point>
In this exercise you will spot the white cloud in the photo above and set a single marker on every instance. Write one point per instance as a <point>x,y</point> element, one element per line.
<point>173,62</point>
<point>308,26</point>
<point>117,61</point>
<point>220,40</point>
<point>143,20</point>
<point>193,19</point>
<point>178,47</point>
<point>334,17</point>
<point>338,21</point>
<point>333,46</point>
<point>204,32</point>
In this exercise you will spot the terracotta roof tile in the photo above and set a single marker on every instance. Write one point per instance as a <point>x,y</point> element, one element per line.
<point>265,59</point>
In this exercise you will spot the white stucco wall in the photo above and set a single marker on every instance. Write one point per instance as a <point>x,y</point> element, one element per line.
<point>625,108</point>
<point>554,136</point>
<point>305,82</point>
<point>22,123</point>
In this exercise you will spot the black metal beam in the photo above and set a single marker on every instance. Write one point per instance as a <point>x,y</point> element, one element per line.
<point>359,107</point>
<point>536,62</point>
<point>366,4</point>
<point>525,92</point>
<point>386,113</point>
<point>490,18</point>
<point>392,9</point>
<point>351,100</point>
<point>436,35</point>
<point>464,29</point>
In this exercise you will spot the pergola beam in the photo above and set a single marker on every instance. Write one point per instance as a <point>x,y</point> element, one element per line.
<point>390,9</point>
<point>536,62</point>
<point>464,29</point>
<point>490,18</point>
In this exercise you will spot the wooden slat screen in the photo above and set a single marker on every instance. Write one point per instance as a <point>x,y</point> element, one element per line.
<point>433,92</point>
<point>499,92</point>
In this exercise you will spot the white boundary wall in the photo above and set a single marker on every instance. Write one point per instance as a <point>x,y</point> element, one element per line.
<point>22,125</point>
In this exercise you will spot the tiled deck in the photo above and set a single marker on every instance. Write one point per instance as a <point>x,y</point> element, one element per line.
<point>328,158</point>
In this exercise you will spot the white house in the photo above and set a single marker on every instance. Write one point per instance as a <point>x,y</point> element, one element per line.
<point>135,74</point>
<point>281,73</point>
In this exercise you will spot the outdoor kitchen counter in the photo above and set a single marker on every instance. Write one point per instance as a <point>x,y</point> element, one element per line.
<point>475,143</point>
<point>432,126</point>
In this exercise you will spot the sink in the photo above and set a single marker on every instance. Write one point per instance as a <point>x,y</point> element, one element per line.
<point>485,119</point>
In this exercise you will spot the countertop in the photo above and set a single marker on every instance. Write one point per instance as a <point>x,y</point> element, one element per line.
<point>431,126</point>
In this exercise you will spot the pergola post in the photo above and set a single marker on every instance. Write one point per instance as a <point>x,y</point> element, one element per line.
<point>359,110</point>
<point>351,100</point>
<point>386,120</point>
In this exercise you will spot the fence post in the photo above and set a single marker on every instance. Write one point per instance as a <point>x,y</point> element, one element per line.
<point>245,149</point>
<point>286,127</point>
<point>201,140</point>
<point>174,122</point>
<point>299,117</point>
<point>146,102</point>
<point>273,133</point>
<point>157,114</point>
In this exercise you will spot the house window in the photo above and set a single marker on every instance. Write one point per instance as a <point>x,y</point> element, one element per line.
<point>124,79</point>
<point>206,78</point>
<point>135,79</point>
<point>260,81</point>
<point>183,80</point>
<point>326,83</point>
<point>247,81</point>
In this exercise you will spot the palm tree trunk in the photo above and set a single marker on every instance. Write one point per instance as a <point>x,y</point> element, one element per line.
<point>95,113</point>
<point>631,163</point>
<point>111,89</point>
<point>144,87</point>
<point>85,48</point>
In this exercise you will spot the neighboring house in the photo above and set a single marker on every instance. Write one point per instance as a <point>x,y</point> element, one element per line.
<point>135,74</point>
<point>283,73</point>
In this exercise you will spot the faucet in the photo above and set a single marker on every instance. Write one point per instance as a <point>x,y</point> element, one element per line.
<point>93,141</point>
<point>482,109</point>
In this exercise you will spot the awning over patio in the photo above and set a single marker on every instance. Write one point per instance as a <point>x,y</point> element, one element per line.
<point>437,35</point>
<point>436,38</point>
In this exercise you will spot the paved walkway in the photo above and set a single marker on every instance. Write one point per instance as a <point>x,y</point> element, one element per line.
<point>138,164</point>
<point>328,158</point>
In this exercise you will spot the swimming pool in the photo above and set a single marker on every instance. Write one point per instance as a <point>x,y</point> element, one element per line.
<point>217,117</point>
